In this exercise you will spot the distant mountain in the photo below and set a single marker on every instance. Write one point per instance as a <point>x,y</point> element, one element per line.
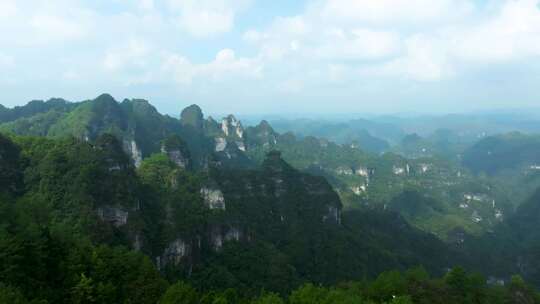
<point>369,136</point>
<point>455,197</point>
<point>34,107</point>
<point>508,152</point>
<point>469,126</point>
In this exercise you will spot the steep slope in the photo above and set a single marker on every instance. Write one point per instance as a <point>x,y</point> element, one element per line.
<point>222,228</point>
<point>513,246</point>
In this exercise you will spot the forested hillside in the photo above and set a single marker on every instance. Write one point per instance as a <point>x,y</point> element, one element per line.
<point>108,202</point>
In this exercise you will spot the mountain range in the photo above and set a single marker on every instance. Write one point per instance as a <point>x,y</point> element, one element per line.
<point>223,205</point>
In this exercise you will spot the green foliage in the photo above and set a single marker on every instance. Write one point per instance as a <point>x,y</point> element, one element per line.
<point>33,108</point>
<point>180,293</point>
<point>10,167</point>
<point>80,224</point>
<point>268,298</point>
<point>10,295</point>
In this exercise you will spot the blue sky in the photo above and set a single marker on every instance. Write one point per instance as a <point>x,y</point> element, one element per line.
<point>254,56</point>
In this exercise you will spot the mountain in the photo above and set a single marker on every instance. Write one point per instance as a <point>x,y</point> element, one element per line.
<point>513,246</point>
<point>361,178</point>
<point>137,123</point>
<point>370,136</point>
<point>32,108</point>
<point>495,154</point>
<point>119,200</point>
<point>464,201</point>
<point>224,225</point>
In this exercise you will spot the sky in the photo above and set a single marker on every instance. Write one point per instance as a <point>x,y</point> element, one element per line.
<point>275,56</point>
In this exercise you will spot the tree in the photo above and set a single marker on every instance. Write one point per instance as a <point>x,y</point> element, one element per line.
<point>84,292</point>
<point>268,298</point>
<point>308,294</point>
<point>10,295</point>
<point>180,293</point>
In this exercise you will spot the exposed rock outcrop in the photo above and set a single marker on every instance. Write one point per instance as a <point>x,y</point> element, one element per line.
<point>333,215</point>
<point>232,127</point>
<point>219,234</point>
<point>114,215</point>
<point>221,144</point>
<point>213,197</point>
<point>174,253</point>
<point>176,151</point>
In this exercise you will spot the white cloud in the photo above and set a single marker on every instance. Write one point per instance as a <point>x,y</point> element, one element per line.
<point>180,68</point>
<point>358,43</point>
<point>146,5</point>
<point>6,60</point>
<point>423,60</point>
<point>513,33</point>
<point>54,28</point>
<point>37,23</point>
<point>8,9</point>
<point>384,12</point>
<point>134,53</point>
<point>418,40</point>
<point>224,67</point>
<point>309,38</point>
<point>203,18</point>
<point>342,46</point>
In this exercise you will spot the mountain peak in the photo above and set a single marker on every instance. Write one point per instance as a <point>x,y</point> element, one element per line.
<point>264,124</point>
<point>232,127</point>
<point>105,97</point>
<point>192,116</point>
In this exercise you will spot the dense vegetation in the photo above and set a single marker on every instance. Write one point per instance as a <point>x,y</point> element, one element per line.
<point>107,202</point>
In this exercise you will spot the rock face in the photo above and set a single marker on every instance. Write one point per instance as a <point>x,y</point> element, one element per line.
<point>176,151</point>
<point>213,198</point>
<point>230,131</point>
<point>232,127</point>
<point>174,253</point>
<point>362,171</point>
<point>113,215</point>
<point>358,190</point>
<point>344,171</point>
<point>130,146</point>
<point>178,158</point>
<point>219,234</point>
<point>221,144</point>
<point>333,215</point>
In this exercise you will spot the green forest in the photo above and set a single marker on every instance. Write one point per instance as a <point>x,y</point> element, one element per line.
<point>111,202</point>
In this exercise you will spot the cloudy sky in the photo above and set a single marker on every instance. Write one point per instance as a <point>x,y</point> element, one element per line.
<point>279,56</point>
